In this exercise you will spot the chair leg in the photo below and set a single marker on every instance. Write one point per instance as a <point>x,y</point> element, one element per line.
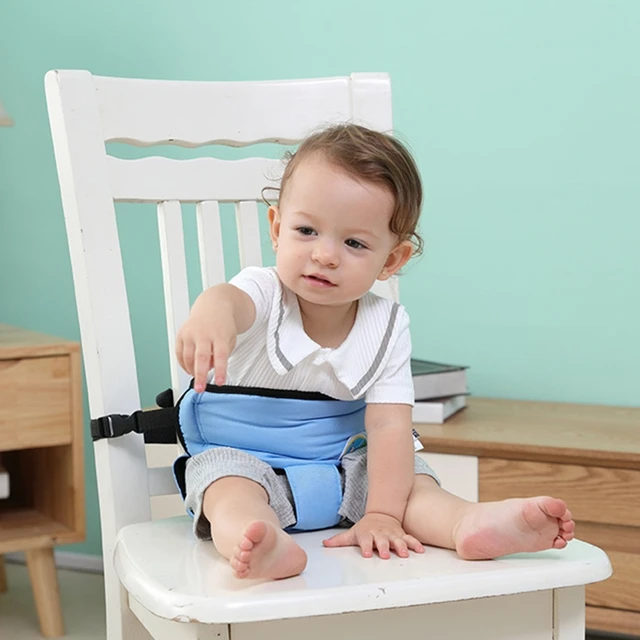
<point>569,613</point>
<point>3,576</point>
<point>44,584</point>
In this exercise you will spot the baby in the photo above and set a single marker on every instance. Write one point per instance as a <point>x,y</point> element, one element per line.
<point>309,331</point>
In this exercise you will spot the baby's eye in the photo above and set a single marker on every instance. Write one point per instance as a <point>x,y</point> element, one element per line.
<point>354,244</point>
<point>305,231</point>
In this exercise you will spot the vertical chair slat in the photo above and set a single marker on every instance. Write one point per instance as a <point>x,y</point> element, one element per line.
<point>210,243</point>
<point>248,234</point>
<point>176,287</point>
<point>371,105</point>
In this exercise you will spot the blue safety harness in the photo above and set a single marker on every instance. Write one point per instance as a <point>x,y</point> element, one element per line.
<point>301,434</point>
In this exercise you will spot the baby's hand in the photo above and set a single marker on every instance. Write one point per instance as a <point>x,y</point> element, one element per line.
<point>377,530</point>
<point>203,345</point>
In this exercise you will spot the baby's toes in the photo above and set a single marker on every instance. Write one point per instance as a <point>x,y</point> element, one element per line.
<point>567,527</point>
<point>559,543</point>
<point>566,530</point>
<point>245,544</point>
<point>239,567</point>
<point>240,556</point>
<point>554,507</point>
<point>244,556</point>
<point>566,516</point>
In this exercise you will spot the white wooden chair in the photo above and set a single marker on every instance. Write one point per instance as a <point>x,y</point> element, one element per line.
<point>157,575</point>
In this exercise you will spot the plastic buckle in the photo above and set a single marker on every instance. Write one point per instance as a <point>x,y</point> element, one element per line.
<point>113,426</point>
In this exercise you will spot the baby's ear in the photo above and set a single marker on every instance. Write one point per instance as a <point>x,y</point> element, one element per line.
<point>398,257</point>
<point>274,224</point>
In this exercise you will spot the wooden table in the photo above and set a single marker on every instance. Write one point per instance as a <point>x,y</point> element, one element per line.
<point>41,447</point>
<point>586,454</point>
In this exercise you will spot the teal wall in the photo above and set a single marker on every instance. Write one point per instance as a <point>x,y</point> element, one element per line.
<point>525,120</point>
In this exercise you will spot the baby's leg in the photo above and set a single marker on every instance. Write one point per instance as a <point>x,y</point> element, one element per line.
<point>247,532</point>
<point>486,529</point>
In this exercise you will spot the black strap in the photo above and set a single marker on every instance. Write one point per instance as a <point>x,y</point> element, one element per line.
<point>157,425</point>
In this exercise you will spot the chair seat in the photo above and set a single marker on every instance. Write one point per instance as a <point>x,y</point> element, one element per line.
<point>175,576</point>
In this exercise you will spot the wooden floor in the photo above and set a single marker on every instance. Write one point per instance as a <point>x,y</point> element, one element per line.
<point>82,602</point>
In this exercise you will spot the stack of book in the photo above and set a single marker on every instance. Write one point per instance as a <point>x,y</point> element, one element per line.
<point>440,390</point>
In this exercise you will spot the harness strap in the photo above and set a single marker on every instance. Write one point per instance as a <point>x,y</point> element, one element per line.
<point>317,494</point>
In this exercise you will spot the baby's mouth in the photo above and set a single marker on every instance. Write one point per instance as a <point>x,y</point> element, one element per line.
<point>316,278</point>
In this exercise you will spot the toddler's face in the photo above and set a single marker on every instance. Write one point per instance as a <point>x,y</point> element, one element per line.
<point>332,234</point>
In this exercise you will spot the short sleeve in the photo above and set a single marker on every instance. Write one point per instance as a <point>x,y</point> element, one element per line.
<point>395,384</point>
<point>260,284</point>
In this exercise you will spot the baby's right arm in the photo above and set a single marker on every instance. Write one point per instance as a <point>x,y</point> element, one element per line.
<point>208,337</point>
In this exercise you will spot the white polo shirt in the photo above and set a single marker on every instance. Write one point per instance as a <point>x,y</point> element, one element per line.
<point>372,363</point>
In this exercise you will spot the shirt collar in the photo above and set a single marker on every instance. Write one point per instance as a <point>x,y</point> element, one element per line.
<point>356,361</point>
<point>287,342</point>
<point>359,359</point>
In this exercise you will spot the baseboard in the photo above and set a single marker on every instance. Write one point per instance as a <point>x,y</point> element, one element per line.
<point>66,560</point>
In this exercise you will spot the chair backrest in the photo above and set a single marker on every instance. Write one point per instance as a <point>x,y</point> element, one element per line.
<point>86,112</point>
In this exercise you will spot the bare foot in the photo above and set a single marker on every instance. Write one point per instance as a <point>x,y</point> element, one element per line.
<point>267,552</point>
<point>492,529</point>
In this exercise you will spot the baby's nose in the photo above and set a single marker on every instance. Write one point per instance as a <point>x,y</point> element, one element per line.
<point>327,253</point>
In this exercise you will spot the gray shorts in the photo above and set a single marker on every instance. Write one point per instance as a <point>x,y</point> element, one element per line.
<point>204,468</point>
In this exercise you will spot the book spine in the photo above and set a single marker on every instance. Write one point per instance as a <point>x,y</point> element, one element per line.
<point>4,484</point>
